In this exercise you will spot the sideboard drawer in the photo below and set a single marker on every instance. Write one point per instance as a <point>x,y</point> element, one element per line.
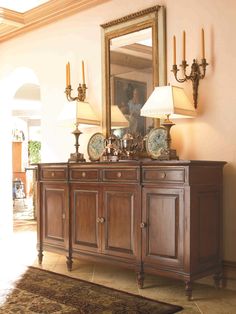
<point>121,174</point>
<point>167,175</point>
<point>84,174</point>
<point>53,174</point>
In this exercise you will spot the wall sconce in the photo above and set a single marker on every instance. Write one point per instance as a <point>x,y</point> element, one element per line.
<point>165,102</point>
<point>81,88</point>
<point>196,74</point>
<point>81,113</point>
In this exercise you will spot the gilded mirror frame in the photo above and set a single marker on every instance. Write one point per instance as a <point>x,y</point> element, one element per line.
<point>153,17</point>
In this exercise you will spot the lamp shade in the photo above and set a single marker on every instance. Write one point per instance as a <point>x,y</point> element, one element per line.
<point>118,120</point>
<point>170,100</point>
<point>80,111</point>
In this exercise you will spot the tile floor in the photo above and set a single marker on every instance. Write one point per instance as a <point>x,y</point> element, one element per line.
<point>19,251</point>
<point>23,208</point>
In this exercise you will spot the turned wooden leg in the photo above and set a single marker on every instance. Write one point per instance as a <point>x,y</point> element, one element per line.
<point>218,279</point>
<point>40,257</point>
<point>140,279</point>
<point>188,290</point>
<point>69,263</point>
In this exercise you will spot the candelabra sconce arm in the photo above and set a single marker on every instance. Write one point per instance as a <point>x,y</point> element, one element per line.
<point>81,93</point>
<point>175,71</point>
<point>204,64</point>
<point>68,91</point>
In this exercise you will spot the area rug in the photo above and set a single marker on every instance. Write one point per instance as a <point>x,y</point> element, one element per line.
<point>41,291</point>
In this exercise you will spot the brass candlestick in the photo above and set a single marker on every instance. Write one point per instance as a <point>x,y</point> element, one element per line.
<point>195,75</point>
<point>77,156</point>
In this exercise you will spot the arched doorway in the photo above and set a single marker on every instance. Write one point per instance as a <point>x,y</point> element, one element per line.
<point>10,87</point>
<point>26,144</point>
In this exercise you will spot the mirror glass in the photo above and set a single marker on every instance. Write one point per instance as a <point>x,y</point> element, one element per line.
<point>134,59</point>
<point>131,80</point>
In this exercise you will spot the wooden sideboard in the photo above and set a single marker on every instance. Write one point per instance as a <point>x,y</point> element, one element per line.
<point>159,217</point>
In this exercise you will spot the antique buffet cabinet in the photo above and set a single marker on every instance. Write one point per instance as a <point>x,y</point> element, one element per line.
<point>160,217</point>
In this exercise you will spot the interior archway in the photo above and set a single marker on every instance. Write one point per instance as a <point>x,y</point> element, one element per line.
<point>20,95</point>
<point>26,145</point>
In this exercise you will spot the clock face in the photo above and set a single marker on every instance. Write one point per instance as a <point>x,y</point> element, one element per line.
<point>156,142</point>
<point>96,146</point>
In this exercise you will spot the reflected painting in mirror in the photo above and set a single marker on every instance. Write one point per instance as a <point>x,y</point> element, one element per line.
<point>131,78</point>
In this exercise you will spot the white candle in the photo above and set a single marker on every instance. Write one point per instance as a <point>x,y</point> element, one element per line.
<point>83,77</point>
<point>68,74</point>
<point>184,46</point>
<point>174,48</point>
<point>203,44</point>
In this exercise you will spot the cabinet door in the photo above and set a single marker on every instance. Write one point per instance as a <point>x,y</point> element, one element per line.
<point>206,218</point>
<point>121,214</point>
<point>54,212</point>
<point>162,227</point>
<point>85,204</point>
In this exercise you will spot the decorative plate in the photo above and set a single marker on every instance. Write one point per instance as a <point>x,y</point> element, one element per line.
<point>156,143</point>
<point>96,146</point>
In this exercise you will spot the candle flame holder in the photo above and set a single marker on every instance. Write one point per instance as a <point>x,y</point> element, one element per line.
<point>197,73</point>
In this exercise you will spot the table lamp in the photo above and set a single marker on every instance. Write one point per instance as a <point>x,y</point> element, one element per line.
<point>165,102</point>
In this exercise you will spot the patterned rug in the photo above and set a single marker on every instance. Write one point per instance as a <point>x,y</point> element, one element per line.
<point>41,291</point>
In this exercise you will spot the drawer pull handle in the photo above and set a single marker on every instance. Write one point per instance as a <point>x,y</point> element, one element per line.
<point>100,220</point>
<point>53,174</point>
<point>63,216</point>
<point>83,174</point>
<point>118,174</point>
<point>143,225</point>
<point>163,175</point>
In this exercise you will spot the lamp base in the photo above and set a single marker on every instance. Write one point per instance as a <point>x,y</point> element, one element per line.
<point>170,153</point>
<point>173,154</point>
<point>76,157</point>
<point>167,154</point>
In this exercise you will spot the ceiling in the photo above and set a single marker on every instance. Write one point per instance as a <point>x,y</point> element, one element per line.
<point>21,5</point>
<point>21,16</point>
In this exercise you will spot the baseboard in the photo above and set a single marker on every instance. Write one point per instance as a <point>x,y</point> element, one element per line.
<point>229,270</point>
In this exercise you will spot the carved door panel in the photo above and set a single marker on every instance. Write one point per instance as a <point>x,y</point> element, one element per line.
<point>121,215</point>
<point>86,207</point>
<point>162,227</point>
<point>54,214</point>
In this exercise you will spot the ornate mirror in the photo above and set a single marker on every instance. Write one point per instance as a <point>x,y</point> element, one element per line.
<point>134,62</point>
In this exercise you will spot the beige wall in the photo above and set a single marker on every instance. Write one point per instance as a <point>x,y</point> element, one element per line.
<point>209,136</point>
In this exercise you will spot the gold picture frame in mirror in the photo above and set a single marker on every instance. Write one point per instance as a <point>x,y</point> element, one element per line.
<point>134,62</point>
